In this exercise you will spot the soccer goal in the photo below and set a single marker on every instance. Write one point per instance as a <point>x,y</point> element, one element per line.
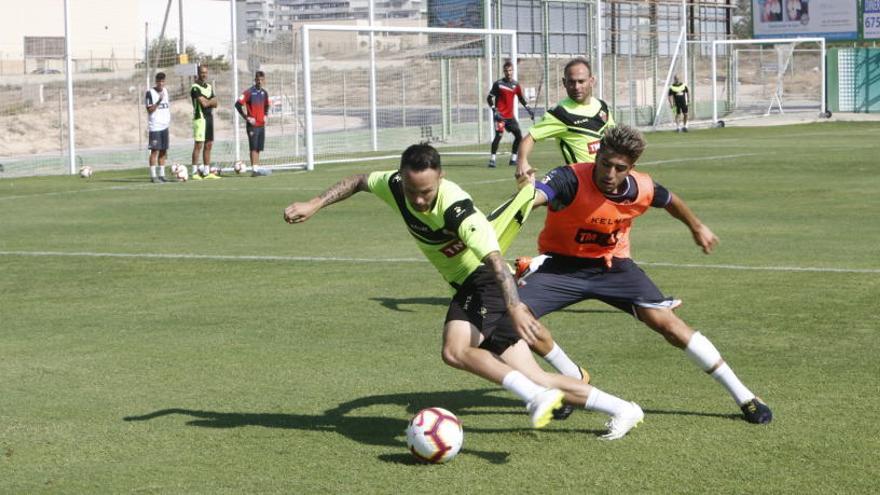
<point>779,78</point>
<point>373,91</point>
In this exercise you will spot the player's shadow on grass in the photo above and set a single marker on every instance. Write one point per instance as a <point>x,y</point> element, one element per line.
<point>398,303</point>
<point>376,430</point>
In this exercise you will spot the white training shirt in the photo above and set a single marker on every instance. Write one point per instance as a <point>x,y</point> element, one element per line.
<point>160,119</point>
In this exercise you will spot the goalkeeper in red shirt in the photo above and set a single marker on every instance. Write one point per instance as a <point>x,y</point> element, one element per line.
<point>500,99</point>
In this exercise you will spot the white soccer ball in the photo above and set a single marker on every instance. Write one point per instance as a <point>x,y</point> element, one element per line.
<point>85,172</point>
<point>215,170</point>
<point>180,172</point>
<point>239,167</point>
<point>434,435</point>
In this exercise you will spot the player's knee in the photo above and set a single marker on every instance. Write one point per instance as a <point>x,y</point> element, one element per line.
<point>452,357</point>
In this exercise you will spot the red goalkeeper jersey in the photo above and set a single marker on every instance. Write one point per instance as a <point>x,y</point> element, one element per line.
<point>504,93</point>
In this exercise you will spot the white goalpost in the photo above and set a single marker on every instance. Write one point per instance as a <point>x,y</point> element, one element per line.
<point>767,77</point>
<point>368,92</point>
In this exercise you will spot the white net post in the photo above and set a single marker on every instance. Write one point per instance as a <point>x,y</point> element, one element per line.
<point>787,79</point>
<point>372,91</point>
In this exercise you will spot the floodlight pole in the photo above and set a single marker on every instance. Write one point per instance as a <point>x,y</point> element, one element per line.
<point>68,61</point>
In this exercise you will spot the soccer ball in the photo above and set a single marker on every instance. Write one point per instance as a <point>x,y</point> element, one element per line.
<point>85,172</point>
<point>434,435</point>
<point>239,167</point>
<point>180,173</point>
<point>215,170</point>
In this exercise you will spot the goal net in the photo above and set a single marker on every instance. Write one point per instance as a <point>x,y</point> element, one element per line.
<point>375,91</point>
<point>779,79</point>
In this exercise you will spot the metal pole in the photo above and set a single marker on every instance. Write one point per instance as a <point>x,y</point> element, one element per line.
<point>71,131</point>
<point>715,84</point>
<point>182,46</point>
<point>490,48</point>
<point>600,40</point>
<point>374,132</point>
<point>307,99</point>
<point>824,78</point>
<point>685,51</point>
<point>235,117</point>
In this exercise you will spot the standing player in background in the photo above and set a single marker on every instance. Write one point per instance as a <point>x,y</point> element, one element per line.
<point>158,121</point>
<point>577,122</point>
<point>203,101</point>
<point>461,244</point>
<point>678,102</point>
<point>585,240</point>
<point>253,106</point>
<point>500,100</point>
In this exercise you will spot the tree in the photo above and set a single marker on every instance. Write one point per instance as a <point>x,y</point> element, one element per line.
<point>164,51</point>
<point>742,20</point>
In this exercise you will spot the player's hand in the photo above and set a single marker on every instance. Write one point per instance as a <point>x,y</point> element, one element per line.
<point>531,113</point>
<point>300,212</point>
<point>524,172</point>
<point>252,121</point>
<point>705,238</point>
<point>497,115</point>
<point>525,324</point>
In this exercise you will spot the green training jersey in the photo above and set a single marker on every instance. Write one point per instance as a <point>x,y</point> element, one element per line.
<point>454,235</point>
<point>197,90</point>
<point>578,128</point>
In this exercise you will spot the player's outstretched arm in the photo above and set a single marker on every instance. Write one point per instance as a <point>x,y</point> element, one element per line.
<point>523,321</point>
<point>524,170</point>
<point>300,212</point>
<point>703,236</point>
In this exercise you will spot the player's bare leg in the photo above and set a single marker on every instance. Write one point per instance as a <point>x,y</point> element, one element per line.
<point>704,354</point>
<point>624,415</point>
<point>460,341</point>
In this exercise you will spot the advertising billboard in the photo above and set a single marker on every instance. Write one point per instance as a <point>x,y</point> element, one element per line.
<point>455,14</point>
<point>829,19</point>
<point>871,21</point>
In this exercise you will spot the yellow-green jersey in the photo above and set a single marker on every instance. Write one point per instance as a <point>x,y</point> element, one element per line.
<point>454,235</point>
<point>578,128</point>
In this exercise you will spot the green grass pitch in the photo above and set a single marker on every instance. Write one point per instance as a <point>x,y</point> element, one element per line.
<point>183,339</point>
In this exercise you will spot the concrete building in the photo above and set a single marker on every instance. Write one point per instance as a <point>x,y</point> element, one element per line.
<point>264,17</point>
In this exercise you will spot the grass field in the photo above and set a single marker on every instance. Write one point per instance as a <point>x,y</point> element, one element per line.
<point>183,339</point>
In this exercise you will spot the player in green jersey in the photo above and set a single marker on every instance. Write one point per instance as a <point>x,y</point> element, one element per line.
<point>461,243</point>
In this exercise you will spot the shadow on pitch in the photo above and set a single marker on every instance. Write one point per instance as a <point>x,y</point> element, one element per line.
<point>400,303</point>
<point>375,430</point>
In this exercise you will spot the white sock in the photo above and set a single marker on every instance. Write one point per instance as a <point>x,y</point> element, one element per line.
<point>513,157</point>
<point>161,170</point>
<point>152,171</point>
<point>195,170</point>
<point>563,364</point>
<point>606,403</point>
<point>493,157</point>
<point>726,377</point>
<point>520,385</point>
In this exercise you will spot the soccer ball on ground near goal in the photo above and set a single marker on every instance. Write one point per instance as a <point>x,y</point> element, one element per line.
<point>85,172</point>
<point>239,167</point>
<point>180,172</point>
<point>434,435</point>
<point>216,170</point>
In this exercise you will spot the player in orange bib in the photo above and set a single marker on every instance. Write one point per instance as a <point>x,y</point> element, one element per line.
<point>585,254</point>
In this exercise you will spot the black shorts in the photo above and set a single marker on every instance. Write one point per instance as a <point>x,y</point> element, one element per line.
<point>511,126</point>
<point>158,140</point>
<point>480,302</point>
<point>256,137</point>
<point>680,107</point>
<point>562,281</point>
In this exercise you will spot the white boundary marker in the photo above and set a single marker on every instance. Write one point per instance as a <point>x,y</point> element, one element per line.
<point>329,259</point>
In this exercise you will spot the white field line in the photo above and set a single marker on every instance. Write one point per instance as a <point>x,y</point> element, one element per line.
<point>333,259</point>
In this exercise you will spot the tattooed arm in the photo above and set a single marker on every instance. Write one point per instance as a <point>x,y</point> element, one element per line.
<point>300,212</point>
<point>523,322</point>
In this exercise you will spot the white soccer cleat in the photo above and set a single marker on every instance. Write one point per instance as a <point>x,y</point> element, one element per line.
<point>542,405</point>
<point>620,424</point>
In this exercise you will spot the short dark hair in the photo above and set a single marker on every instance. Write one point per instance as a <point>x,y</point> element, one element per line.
<point>577,60</point>
<point>507,63</point>
<point>260,73</point>
<point>419,157</point>
<point>623,140</point>
<point>160,76</point>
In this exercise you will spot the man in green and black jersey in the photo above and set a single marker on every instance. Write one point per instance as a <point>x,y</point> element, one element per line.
<point>577,122</point>
<point>203,101</point>
<point>487,328</point>
<point>678,102</point>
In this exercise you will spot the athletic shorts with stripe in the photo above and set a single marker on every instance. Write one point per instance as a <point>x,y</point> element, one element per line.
<point>479,301</point>
<point>562,281</point>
